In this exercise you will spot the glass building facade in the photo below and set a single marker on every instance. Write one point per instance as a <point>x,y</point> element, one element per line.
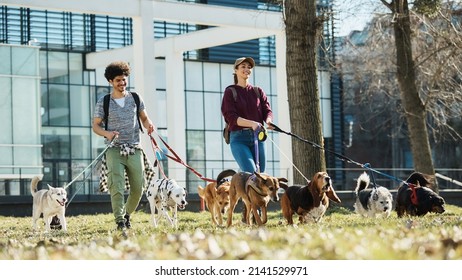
<point>60,140</point>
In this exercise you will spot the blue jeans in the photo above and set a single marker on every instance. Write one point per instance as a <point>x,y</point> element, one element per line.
<point>243,150</point>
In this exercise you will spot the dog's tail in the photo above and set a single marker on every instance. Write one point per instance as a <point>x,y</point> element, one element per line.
<point>223,174</point>
<point>201,191</point>
<point>362,182</point>
<point>424,180</point>
<point>34,183</point>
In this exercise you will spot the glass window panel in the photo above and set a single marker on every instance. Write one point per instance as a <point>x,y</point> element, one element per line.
<point>5,58</point>
<point>226,74</point>
<point>58,68</point>
<point>80,106</point>
<point>273,78</point>
<point>5,111</point>
<point>55,142</point>
<point>194,77</point>
<point>58,105</point>
<point>212,74</point>
<point>81,139</point>
<point>25,99</point>
<point>44,110</point>
<point>213,117</point>
<point>161,112</point>
<point>25,61</point>
<point>195,145</point>
<point>261,78</point>
<point>213,140</point>
<point>43,65</point>
<point>75,68</point>
<point>160,73</point>
<point>195,109</point>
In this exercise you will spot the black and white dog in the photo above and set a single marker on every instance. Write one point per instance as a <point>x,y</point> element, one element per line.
<point>372,202</point>
<point>164,195</point>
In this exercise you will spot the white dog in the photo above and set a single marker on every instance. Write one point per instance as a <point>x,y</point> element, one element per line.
<point>49,202</point>
<point>372,202</point>
<point>164,195</point>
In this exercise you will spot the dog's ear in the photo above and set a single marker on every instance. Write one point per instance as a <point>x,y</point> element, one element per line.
<point>375,196</point>
<point>50,187</point>
<point>259,175</point>
<point>333,195</point>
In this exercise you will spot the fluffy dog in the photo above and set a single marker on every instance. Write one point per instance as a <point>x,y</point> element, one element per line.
<point>371,202</point>
<point>310,202</point>
<point>50,203</point>
<point>255,190</point>
<point>216,196</point>
<point>416,199</point>
<point>166,195</point>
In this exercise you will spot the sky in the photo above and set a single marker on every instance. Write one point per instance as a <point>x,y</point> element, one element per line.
<point>354,14</point>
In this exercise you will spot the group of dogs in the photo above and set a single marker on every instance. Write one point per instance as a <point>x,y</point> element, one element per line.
<point>310,202</point>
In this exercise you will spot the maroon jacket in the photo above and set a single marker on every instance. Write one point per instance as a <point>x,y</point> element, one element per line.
<point>247,105</point>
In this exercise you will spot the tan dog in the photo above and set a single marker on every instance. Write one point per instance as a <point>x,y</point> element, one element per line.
<point>309,202</point>
<point>216,196</point>
<point>255,190</point>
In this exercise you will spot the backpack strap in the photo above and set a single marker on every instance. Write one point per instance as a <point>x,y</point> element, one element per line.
<point>106,100</point>
<point>137,102</point>
<point>256,89</point>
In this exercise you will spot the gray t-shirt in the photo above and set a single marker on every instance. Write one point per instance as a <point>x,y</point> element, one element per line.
<point>122,119</point>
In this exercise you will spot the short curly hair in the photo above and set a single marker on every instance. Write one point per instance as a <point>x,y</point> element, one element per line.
<point>115,69</point>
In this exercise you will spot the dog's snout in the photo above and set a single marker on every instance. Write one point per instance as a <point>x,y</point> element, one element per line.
<point>327,180</point>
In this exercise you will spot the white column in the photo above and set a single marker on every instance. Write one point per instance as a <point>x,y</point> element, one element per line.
<point>176,112</point>
<point>283,118</point>
<point>143,70</point>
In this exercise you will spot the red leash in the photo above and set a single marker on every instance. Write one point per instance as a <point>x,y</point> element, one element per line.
<point>414,199</point>
<point>156,149</point>
<point>176,157</point>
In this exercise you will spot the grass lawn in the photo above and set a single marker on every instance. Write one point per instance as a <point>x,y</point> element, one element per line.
<point>341,235</point>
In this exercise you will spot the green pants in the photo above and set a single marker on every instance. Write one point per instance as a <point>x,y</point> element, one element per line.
<point>133,165</point>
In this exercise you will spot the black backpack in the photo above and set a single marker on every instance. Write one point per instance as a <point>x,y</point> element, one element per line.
<point>107,98</point>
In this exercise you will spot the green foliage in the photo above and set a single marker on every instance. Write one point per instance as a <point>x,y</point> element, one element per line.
<point>427,7</point>
<point>341,234</point>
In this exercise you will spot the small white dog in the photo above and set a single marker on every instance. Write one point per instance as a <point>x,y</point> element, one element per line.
<point>49,202</point>
<point>372,202</point>
<point>164,195</point>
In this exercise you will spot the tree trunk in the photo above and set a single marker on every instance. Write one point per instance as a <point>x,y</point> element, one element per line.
<point>413,105</point>
<point>302,29</point>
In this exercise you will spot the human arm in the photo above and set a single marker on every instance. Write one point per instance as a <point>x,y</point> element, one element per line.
<point>98,129</point>
<point>146,121</point>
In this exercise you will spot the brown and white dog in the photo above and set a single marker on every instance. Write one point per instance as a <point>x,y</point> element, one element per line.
<point>255,190</point>
<point>416,199</point>
<point>216,196</point>
<point>310,202</point>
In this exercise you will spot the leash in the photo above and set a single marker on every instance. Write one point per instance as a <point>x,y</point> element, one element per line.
<point>93,162</point>
<point>342,157</point>
<point>255,144</point>
<point>176,158</point>
<point>93,165</point>
<point>157,152</point>
<point>280,150</point>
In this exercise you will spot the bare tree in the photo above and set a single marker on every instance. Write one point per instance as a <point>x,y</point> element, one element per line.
<point>427,49</point>
<point>303,29</point>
